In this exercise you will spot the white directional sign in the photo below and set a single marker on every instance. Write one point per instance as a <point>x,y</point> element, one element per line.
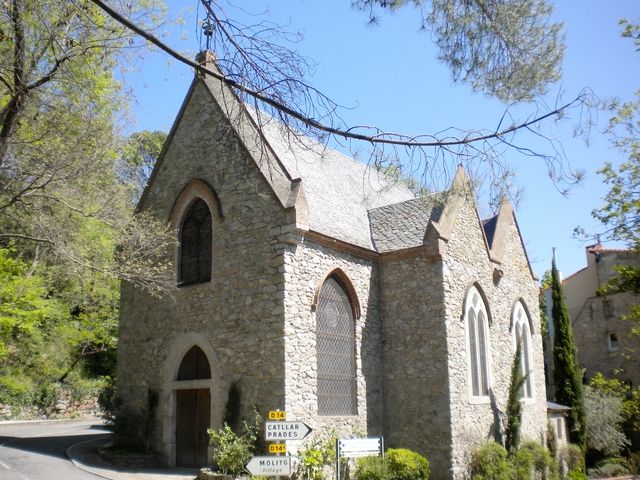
<point>360,447</point>
<point>270,466</point>
<point>286,430</point>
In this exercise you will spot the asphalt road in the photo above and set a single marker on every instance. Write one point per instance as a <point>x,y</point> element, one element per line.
<point>36,451</point>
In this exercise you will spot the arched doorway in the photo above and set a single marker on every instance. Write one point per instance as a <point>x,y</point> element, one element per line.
<point>193,411</point>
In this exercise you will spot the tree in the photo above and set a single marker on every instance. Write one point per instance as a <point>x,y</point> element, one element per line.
<point>604,427</point>
<point>514,407</point>
<point>620,214</point>
<point>566,372</point>
<point>60,198</point>
<point>269,78</point>
<point>508,49</point>
<point>138,157</point>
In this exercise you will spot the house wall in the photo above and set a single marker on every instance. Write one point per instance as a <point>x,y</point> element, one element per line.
<point>237,318</point>
<point>416,393</point>
<point>465,262</point>
<point>306,265</point>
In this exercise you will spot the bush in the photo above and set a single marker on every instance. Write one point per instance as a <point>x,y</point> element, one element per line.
<point>604,422</point>
<point>15,390</point>
<point>315,457</point>
<point>572,457</point>
<point>231,452</point>
<point>531,460</point>
<point>398,464</point>
<point>610,467</point>
<point>370,468</point>
<point>490,462</point>
<point>403,464</point>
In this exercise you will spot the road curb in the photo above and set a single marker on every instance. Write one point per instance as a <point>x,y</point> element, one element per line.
<point>44,421</point>
<point>82,466</point>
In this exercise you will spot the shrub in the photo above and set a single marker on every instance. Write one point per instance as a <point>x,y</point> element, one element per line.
<point>531,458</point>
<point>370,468</point>
<point>610,467</point>
<point>403,464</point>
<point>572,458</point>
<point>231,452</point>
<point>318,454</point>
<point>398,464</point>
<point>604,422</point>
<point>15,390</point>
<point>490,463</point>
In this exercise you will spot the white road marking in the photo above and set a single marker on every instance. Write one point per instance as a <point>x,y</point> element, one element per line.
<point>5,465</point>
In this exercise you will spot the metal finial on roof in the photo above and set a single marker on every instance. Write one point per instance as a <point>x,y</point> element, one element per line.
<point>208,25</point>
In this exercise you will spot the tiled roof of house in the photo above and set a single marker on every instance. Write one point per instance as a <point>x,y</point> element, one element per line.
<point>339,190</point>
<point>402,225</point>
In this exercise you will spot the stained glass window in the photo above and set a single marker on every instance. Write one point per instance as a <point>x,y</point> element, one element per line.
<point>335,347</point>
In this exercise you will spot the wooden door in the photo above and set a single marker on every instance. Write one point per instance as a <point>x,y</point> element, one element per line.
<point>192,421</point>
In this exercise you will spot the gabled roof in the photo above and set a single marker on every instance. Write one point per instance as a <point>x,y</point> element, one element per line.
<point>339,190</point>
<point>402,225</point>
<point>337,196</point>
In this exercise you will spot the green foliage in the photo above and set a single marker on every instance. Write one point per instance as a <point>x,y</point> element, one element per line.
<point>505,48</point>
<point>604,422</point>
<point>490,462</point>
<point>628,396</point>
<point>318,454</point>
<point>231,451</point>
<point>566,373</point>
<point>398,464</point>
<point>514,407</point>
<point>610,468</point>
<point>572,456</point>
<point>403,464</point>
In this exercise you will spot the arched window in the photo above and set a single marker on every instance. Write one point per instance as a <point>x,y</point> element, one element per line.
<point>476,320</point>
<point>335,351</point>
<point>195,244</point>
<point>194,366</point>
<point>522,336</point>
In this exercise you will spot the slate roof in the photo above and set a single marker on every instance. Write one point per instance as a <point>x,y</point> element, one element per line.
<point>339,190</point>
<point>402,225</point>
<point>489,226</point>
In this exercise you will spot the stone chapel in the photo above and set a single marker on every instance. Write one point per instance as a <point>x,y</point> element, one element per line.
<point>326,289</point>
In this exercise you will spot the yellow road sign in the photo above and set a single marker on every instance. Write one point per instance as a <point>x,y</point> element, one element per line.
<point>277,448</point>
<point>277,415</point>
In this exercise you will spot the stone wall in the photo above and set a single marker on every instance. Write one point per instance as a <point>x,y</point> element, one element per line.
<point>237,317</point>
<point>416,386</point>
<point>306,265</point>
<point>65,406</point>
<point>466,261</point>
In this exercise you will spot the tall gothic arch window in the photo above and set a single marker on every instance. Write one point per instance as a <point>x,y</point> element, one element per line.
<point>195,244</point>
<point>335,350</point>
<point>477,325</point>
<point>522,336</point>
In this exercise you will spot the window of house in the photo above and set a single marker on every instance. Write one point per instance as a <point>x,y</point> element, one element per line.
<point>335,350</point>
<point>195,245</point>
<point>613,342</point>
<point>522,337</point>
<point>560,428</point>
<point>476,320</point>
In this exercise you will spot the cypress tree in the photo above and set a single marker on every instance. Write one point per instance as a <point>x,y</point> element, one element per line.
<point>514,407</point>
<point>566,373</point>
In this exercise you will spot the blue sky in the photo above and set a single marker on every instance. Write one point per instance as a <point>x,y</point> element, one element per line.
<point>390,75</point>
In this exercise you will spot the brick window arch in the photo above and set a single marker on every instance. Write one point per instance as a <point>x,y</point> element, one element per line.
<point>477,329</point>
<point>522,336</point>
<point>195,244</point>
<point>335,350</point>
